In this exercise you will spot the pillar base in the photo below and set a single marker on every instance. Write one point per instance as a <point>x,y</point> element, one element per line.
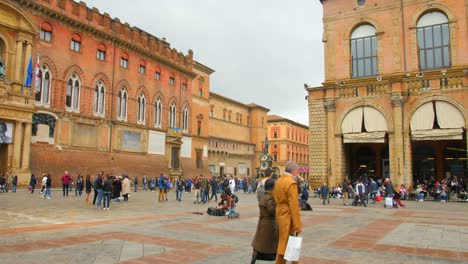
<point>24,175</point>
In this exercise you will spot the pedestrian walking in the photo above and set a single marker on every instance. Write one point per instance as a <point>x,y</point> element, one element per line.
<point>48,185</point>
<point>180,188</point>
<point>43,182</point>
<point>288,216</point>
<point>265,242</point>
<point>144,183</point>
<point>324,191</point>
<point>14,182</point>
<point>135,183</point>
<point>125,188</point>
<point>32,183</point>
<point>107,191</point>
<point>88,187</point>
<point>79,185</point>
<point>98,187</point>
<point>65,183</point>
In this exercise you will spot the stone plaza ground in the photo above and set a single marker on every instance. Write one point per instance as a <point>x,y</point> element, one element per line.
<point>65,230</point>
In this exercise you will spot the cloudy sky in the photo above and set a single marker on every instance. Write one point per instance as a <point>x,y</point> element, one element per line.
<point>263,51</point>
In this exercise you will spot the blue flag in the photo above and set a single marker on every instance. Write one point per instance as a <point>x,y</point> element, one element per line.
<point>29,76</point>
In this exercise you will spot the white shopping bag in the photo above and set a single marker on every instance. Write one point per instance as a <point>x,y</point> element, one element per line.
<point>293,249</point>
<point>389,201</point>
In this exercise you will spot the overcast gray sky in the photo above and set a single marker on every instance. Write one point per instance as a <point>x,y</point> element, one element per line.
<point>263,51</point>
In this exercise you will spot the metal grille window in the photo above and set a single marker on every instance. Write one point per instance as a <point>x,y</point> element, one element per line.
<point>364,52</point>
<point>433,41</point>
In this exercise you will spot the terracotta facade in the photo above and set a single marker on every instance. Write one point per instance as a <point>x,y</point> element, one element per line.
<point>288,141</point>
<point>409,73</point>
<point>108,93</point>
<point>237,133</point>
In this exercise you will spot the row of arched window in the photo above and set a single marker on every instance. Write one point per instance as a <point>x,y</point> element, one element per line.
<point>433,44</point>
<point>46,34</point>
<point>72,101</point>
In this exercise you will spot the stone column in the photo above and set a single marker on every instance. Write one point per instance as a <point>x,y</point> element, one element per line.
<point>398,156</point>
<point>330,107</point>
<point>318,142</point>
<point>26,146</point>
<point>18,59</point>
<point>18,140</point>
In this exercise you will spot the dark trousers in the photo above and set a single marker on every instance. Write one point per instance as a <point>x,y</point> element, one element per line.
<point>125,196</point>
<point>65,189</point>
<point>107,197</point>
<point>215,195</point>
<point>95,196</point>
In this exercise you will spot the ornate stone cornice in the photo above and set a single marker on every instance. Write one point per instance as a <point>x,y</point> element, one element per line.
<point>63,19</point>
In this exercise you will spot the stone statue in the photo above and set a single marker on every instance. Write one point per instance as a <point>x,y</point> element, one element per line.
<point>265,150</point>
<point>2,69</point>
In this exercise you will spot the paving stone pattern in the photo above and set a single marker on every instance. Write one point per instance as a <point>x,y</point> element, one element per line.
<point>66,230</point>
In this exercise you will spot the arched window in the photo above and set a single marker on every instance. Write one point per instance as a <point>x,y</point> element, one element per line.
<point>171,80</point>
<point>185,120</point>
<point>75,43</point>
<point>101,52</point>
<point>433,41</point>
<point>42,89</point>
<point>122,100</point>
<point>46,32</point>
<point>364,51</point>
<point>141,109</point>
<point>172,115</point>
<point>142,69</point>
<point>124,60</point>
<point>72,101</point>
<point>158,113</point>
<point>157,74</point>
<point>99,98</point>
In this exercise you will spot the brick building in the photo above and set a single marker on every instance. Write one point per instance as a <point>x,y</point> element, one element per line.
<point>393,102</point>
<point>237,133</point>
<point>108,96</point>
<point>289,141</point>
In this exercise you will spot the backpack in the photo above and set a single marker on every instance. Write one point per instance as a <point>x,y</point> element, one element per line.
<point>235,198</point>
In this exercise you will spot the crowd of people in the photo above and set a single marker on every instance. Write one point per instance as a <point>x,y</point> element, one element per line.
<point>366,189</point>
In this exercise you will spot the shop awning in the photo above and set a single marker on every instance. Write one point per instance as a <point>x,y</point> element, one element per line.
<point>364,137</point>
<point>438,134</point>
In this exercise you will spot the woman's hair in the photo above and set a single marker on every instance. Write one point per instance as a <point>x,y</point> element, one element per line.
<point>269,184</point>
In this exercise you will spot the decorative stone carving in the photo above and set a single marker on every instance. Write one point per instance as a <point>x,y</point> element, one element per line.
<point>397,100</point>
<point>45,119</point>
<point>330,105</point>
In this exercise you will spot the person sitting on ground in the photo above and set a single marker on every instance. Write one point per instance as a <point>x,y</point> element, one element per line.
<point>226,201</point>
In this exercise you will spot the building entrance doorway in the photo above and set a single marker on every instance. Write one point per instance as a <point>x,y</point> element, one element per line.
<point>4,157</point>
<point>439,160</point>
<point>367,160</point>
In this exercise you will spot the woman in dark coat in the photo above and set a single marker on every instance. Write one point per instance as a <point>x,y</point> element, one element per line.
<point>265,242</point>
<point>117,187</point>
<point>88,185</point>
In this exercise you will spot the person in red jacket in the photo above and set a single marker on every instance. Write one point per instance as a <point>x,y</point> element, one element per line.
<point>66,182</point>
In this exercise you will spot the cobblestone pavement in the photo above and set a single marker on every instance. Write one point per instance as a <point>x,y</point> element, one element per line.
<point>66,230</point>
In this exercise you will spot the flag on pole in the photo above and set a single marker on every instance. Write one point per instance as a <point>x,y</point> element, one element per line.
<point>29,73</point>
<point>37,79</point>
